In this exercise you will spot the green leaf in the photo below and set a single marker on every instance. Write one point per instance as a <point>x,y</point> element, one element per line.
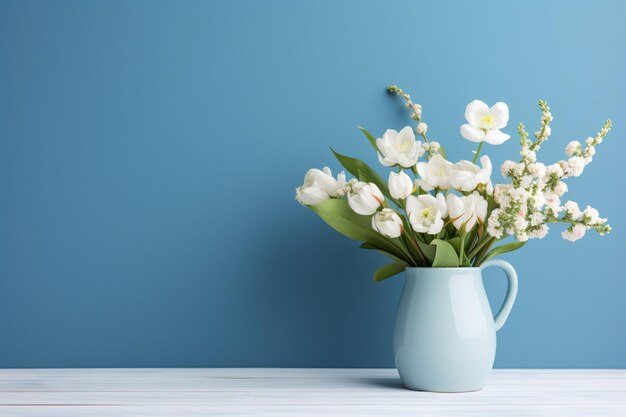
<point>370,137</point>
<point>441,151</point>
<point>388,270</point>
<point>499,250</point>
<point>362,171</point>
<point>456,243</point>
<point>354,165</point>
<point>445,256</point>
<point>338,215</point>
<point>369,246</point>
<point>428,251</point>
<point>491,204</point>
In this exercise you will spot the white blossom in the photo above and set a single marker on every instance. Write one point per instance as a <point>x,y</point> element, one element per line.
<point>400,185</point>
<point>426,213</point>
<point>466,210</point>
<point>417,110</point>
<point>434,147</point>
<point>574,148</point>
<point>508,168</point>
<point>388,223</point>
<point>575,232</point>
<point>592,216</point>
<point>365,198</point>
<point>466,176</point>
<point>319,186</point>
<point>399,148</point>
<point>484,123</point>
<point>436,173</point>
<point>575,166</point>
<point>537,169</point>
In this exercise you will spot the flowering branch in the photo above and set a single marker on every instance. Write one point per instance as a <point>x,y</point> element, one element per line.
<point>452,215</point>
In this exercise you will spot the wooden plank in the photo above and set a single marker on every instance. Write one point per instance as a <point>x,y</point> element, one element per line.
<point>307,392</point>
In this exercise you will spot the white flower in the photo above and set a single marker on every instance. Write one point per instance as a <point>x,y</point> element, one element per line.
<point>417,110</point>
<point>574,232</point>
<point>552,202</point>
<point>421,128</point>
<point>466,210</point>
<point>484,123</point>
<point>426,213</point>
<point>572,210</point>
<point>436,173</point>
<point>466,175</point>
<point>573,148</point>
<point>387,223</point>
<point>575,166</point>
<point>508,168</point>
<point>539,233</point>
<point>319,186</point>
<point>399,148</point>
<point>400,185</point>
<point>560,188</point>
<point>593,216</point>
<point>528,155</point>
<point>554,169</point>
<point>537,169</point>
<point>537,218</point>
<point>365,198</point>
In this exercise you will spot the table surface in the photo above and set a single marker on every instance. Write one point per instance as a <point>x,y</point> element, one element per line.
<point>302,392</point>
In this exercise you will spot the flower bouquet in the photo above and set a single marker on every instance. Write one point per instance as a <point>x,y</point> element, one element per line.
<point>442,222</point>
<point>451,214</point>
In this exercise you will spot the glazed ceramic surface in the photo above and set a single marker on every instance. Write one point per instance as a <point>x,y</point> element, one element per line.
<point>445,335</point>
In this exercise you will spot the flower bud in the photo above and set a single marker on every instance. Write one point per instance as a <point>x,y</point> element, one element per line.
<point>365,198</point>
<point>387,223</point>
<point>400,185</point>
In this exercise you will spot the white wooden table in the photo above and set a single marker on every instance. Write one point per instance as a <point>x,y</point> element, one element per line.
<point>308,392</point>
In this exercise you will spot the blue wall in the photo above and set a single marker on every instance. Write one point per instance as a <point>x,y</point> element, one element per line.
<point>149,153</point>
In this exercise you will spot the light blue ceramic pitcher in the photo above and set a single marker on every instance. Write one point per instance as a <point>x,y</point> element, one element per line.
<point>445,336</point>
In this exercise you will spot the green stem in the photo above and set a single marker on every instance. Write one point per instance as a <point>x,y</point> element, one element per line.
<point>411,236</point>
<point>480,258</point>
<point>462,250</point>
<point>479,246</point>
<point>406,251</point>
<point>478,152</point>
<point>419,250</point>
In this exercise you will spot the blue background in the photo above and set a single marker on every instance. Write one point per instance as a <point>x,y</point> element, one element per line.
<point>150,151</point>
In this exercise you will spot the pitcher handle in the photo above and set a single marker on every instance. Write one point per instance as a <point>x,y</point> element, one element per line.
<point>511,292</point>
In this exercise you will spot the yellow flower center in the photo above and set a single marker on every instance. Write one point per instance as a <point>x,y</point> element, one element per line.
<point>487,120</point>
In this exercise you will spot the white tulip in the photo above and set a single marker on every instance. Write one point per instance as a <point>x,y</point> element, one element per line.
<point>426,213</point>
<point>466,210</point>
<point>400,185</point>
<point>319,186</point>
<point>436,173</point>
<point>466,175</point>
<point>484,123</point>
<point>365,198</point>
<point>399,148</point>
<point>387,223</point>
